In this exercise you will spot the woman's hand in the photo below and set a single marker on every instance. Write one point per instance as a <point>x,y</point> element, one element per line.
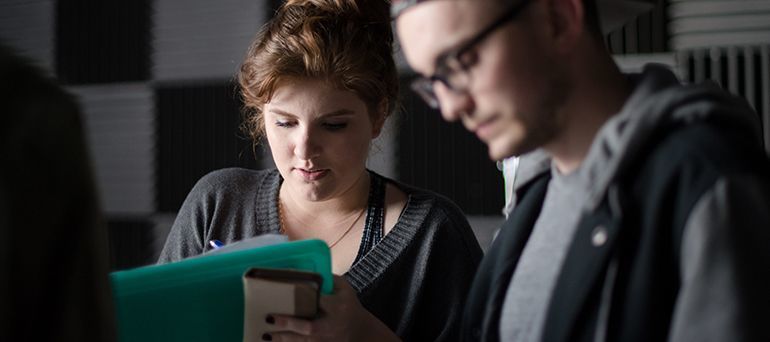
<point>341,318</point>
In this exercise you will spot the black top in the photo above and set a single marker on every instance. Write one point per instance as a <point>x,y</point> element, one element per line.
<point>375,216</point>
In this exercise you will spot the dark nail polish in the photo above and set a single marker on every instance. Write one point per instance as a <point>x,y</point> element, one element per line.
<point>267,337</point>
<point>270,319</point>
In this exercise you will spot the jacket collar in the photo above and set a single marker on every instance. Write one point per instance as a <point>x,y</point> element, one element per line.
<point>656,101</point>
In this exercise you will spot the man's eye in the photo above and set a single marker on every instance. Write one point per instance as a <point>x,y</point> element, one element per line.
<point>468,58</point>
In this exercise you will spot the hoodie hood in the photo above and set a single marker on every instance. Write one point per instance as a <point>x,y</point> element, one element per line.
<point>658,101</point>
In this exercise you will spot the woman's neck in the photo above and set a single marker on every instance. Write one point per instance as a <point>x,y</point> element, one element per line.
<point>329,211</point>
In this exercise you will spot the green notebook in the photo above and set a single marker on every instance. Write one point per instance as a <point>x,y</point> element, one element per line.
<point>201,298</point>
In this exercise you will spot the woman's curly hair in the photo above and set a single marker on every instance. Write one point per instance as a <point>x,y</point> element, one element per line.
<point>348,43</point>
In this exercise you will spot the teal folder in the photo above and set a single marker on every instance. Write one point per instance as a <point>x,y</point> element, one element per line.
<point>201,298</point>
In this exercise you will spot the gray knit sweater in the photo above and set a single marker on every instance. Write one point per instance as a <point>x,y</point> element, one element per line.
<point>414,280</point>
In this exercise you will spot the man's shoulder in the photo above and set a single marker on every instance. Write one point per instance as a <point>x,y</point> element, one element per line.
<point>709,146</point>
<point>698,125</point>
<point>688,161</point>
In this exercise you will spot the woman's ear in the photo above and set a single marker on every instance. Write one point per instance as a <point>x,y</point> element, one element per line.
<point>378,119</point>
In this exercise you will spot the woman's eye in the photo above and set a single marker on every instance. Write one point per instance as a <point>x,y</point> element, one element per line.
<point>335,126</point>
<point>285,124</point>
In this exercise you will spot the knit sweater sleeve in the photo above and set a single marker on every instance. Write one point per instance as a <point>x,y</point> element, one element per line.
<point>226,205</point>
<point>192,221</point>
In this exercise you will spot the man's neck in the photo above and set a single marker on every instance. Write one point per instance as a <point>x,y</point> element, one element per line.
<point>599,92</point>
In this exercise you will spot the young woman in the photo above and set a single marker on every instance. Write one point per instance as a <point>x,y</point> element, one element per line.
<point>319,83</point>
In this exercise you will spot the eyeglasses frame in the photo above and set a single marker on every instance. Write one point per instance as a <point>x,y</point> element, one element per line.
<point>423,86</point>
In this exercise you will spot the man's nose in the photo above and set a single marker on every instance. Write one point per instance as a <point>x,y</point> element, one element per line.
<point>454,104</point>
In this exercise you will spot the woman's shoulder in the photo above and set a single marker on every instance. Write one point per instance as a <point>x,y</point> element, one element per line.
<point>424,196</point>
<point>433,221</point>
<point>237,180</point>
<point>237,173</point>
<point>436,207</point>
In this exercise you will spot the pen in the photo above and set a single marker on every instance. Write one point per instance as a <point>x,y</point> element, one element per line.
<point>216,244</point>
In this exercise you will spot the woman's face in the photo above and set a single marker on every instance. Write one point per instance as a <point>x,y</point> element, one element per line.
<point>319,137</point>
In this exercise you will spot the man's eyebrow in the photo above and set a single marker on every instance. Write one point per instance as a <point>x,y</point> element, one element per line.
<point>450,51</point>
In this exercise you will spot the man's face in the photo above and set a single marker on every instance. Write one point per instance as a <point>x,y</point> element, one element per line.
<point>514,88</point>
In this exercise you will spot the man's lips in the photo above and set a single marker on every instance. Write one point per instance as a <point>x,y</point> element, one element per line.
<point>312,174</point>
<point>485,129</point>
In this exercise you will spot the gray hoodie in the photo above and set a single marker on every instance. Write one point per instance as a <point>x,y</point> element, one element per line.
<point>705,308</point>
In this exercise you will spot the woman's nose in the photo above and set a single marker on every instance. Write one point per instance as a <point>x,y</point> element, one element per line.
<point>306,146</point>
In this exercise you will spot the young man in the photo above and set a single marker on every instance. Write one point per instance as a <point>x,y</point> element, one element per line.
<point>645,215</point>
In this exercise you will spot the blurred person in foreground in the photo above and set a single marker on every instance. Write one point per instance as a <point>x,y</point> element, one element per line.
<point>53,254</point>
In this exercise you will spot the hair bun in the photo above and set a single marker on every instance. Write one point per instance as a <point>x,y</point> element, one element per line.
<point>364,11</point>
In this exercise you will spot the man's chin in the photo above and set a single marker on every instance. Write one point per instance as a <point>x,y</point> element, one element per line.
<point>499,150</point>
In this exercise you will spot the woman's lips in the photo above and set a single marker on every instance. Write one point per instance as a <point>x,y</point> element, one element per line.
<point>312,175</point>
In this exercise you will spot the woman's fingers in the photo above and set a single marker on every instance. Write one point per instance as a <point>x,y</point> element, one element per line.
<point>293,324</point>
<point>285,336</point>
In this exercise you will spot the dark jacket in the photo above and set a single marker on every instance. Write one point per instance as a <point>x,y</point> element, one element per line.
<point>673,241</point>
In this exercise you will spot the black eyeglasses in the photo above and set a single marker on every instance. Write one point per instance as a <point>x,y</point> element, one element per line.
<point>451,70</point>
